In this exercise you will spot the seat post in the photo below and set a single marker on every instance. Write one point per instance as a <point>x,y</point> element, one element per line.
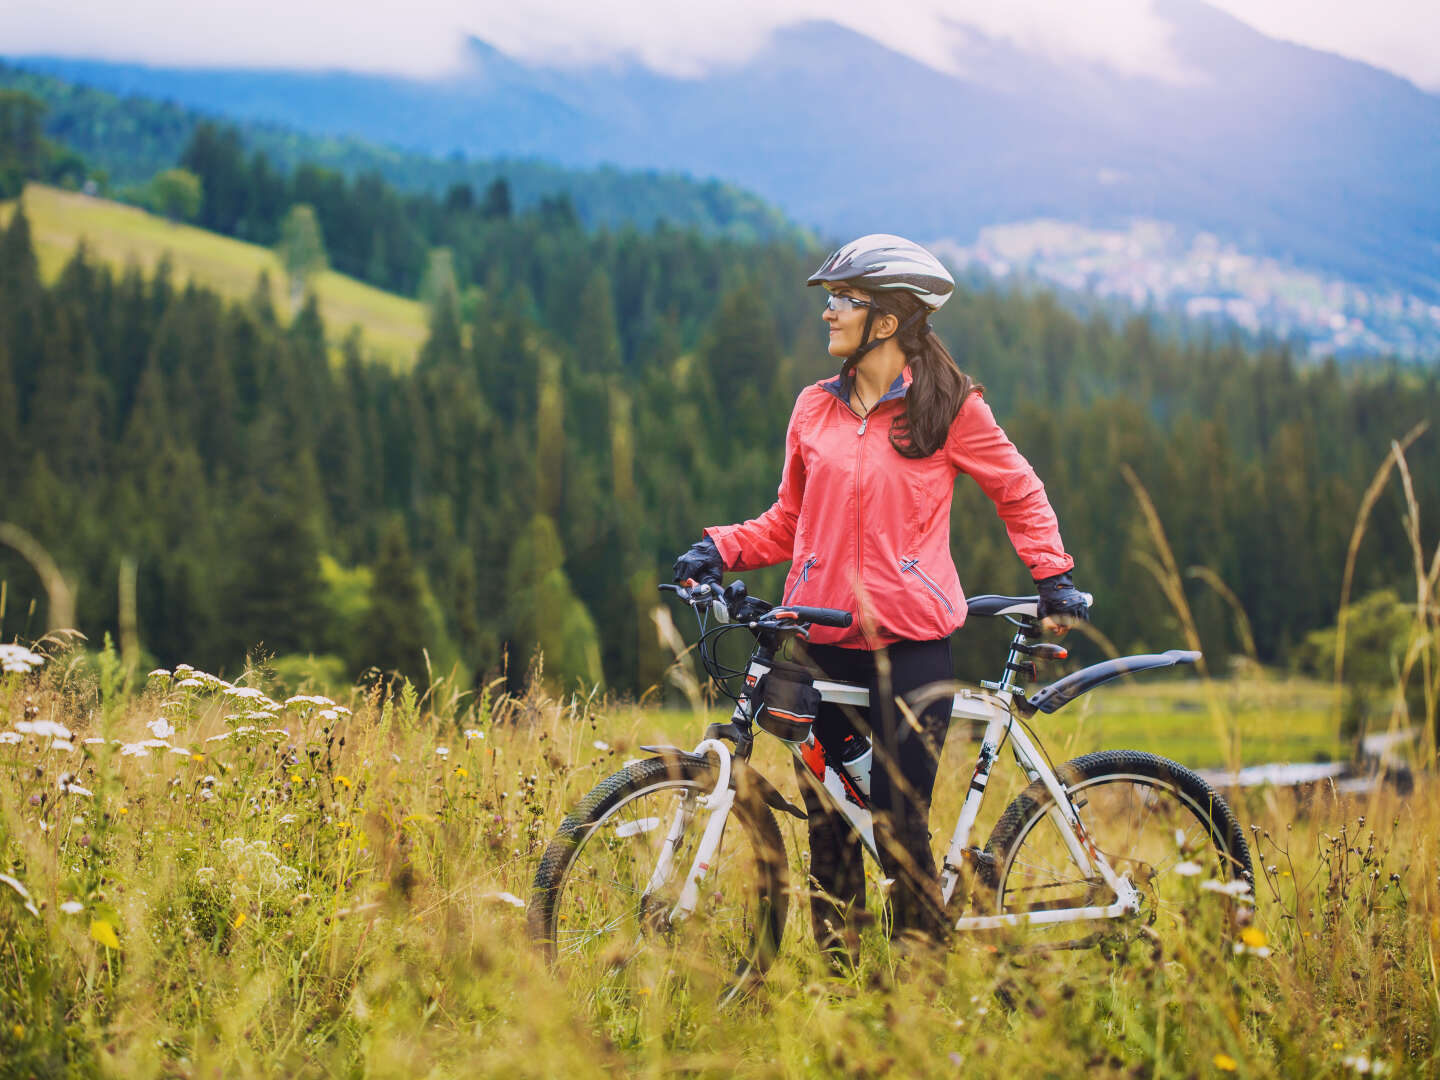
<point>1027,630</point>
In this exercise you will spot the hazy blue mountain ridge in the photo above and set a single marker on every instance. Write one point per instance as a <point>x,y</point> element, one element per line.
<point>1283,150</point>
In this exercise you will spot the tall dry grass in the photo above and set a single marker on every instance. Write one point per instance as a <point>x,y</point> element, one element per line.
<point>330,894</point>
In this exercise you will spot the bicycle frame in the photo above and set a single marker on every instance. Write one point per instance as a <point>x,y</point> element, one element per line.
<point>969,706</point>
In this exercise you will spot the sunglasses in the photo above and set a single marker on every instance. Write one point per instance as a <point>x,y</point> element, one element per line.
<point>841,304</point>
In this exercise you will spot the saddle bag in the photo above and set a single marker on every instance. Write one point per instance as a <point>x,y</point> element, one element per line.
<point>784,701</point>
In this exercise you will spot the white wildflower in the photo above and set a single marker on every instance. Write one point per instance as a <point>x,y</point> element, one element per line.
<point>309,699</point>
<point>134,749</point>
<point>159,673</point>
<point>161,728</point>
<point>18,659</point>
<point>472,733</point>
<point>1188,868</point>
<point>1233,887</point>
<point>12,737</point>
<point>244,692</point>
<point>328,714</point>
<point>287,819</point>
<point>1240,949</point>
<point>505,898</point>
<point>67,784</point>
<point>442,751</point>
<point>600,744</point>
<point>256,868</point>
<point>44,729</point>
<point>63,745</point>
<point>72,907</point>
<point>1362,1063</point>
<point>190,683</point>
<point>205,875</point>
<point>207,794</point>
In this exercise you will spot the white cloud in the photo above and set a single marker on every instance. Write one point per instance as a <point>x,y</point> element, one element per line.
<point>1402,36</point>
<point>422,36</point>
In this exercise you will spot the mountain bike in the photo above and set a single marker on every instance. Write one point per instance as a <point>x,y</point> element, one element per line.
<point>680,851</point>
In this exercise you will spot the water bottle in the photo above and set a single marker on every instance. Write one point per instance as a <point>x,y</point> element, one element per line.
<point>855,758</point>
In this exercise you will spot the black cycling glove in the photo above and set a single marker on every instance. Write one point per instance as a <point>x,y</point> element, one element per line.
<point>702,564</point>
<point>1058,596</point>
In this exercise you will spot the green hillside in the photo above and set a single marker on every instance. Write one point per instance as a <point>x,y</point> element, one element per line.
<point>394,327</point>
<point>132,137</point>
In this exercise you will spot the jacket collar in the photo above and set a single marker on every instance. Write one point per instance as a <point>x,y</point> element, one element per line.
<point>840,386</point>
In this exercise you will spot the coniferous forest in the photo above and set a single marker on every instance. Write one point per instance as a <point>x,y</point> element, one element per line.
<point>586,402</point>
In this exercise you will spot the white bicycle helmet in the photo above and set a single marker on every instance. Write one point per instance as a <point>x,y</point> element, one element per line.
<point>882,261</point>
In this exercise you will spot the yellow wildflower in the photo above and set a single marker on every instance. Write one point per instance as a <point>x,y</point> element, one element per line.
<point>239,921</point>
<point>343,780</point>
<point>123,810</point>
<point>1226,1063</point>
<point>1253,937</point>
<point>197,757</point>
<point>104,933</point>
<point>462,773</point>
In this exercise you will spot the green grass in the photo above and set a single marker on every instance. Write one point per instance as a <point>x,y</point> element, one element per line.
<point>330,901</point>
<point>394,327</point>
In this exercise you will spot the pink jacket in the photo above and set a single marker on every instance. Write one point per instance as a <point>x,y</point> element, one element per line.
<point>868,530</point>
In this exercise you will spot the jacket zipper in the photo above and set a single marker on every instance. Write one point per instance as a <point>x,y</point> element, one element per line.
<point>859,534</point>
<point>804,576</point>
<point>912,566</point>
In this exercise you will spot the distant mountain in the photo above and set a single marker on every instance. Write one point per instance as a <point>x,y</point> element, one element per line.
<point>1280,149</point>
<point>135,136</point>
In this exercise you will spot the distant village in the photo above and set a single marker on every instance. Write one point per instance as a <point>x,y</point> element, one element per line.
<point>1154,264</point>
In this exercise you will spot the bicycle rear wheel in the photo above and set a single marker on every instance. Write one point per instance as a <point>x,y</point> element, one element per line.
<point>1154,820</point>
<point>599,912</point>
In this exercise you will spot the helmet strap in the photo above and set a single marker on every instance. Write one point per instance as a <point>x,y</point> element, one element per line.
<point>853,360</point>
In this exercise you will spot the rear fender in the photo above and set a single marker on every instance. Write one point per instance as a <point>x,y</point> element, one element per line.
<point>1063,691</point>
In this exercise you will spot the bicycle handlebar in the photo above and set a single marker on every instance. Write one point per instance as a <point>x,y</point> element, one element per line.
<point>820,616</point>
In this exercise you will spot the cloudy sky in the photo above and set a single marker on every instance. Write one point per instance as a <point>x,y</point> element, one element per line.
<point>421,36</point>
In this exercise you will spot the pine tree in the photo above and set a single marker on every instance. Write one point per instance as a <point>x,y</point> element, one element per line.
<point>400,629</point>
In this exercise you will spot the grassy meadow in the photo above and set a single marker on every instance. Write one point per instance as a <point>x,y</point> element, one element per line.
<point>200,880</point>
<point>394,327</point>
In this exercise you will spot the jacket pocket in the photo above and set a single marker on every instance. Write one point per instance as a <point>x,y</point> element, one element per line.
<point>804,578</point>
<point>911,567</point>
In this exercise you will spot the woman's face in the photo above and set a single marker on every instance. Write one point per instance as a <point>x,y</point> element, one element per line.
<point>847,325</point>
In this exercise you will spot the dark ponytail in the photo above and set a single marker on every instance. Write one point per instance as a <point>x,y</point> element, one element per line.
<point>939,390</point>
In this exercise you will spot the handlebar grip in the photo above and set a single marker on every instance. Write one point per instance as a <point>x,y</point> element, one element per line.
<point>821,616</point>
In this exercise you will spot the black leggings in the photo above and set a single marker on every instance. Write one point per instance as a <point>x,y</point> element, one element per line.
<point>902,777</point>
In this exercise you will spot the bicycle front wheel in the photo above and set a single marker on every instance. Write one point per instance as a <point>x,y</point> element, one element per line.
<point>603,902</point>
<point>1154,821</point>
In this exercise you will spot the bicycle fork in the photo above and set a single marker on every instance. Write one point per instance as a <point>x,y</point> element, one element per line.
<point>719,803</point>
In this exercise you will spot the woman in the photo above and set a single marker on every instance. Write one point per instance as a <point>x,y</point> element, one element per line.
<point>863,514</point>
